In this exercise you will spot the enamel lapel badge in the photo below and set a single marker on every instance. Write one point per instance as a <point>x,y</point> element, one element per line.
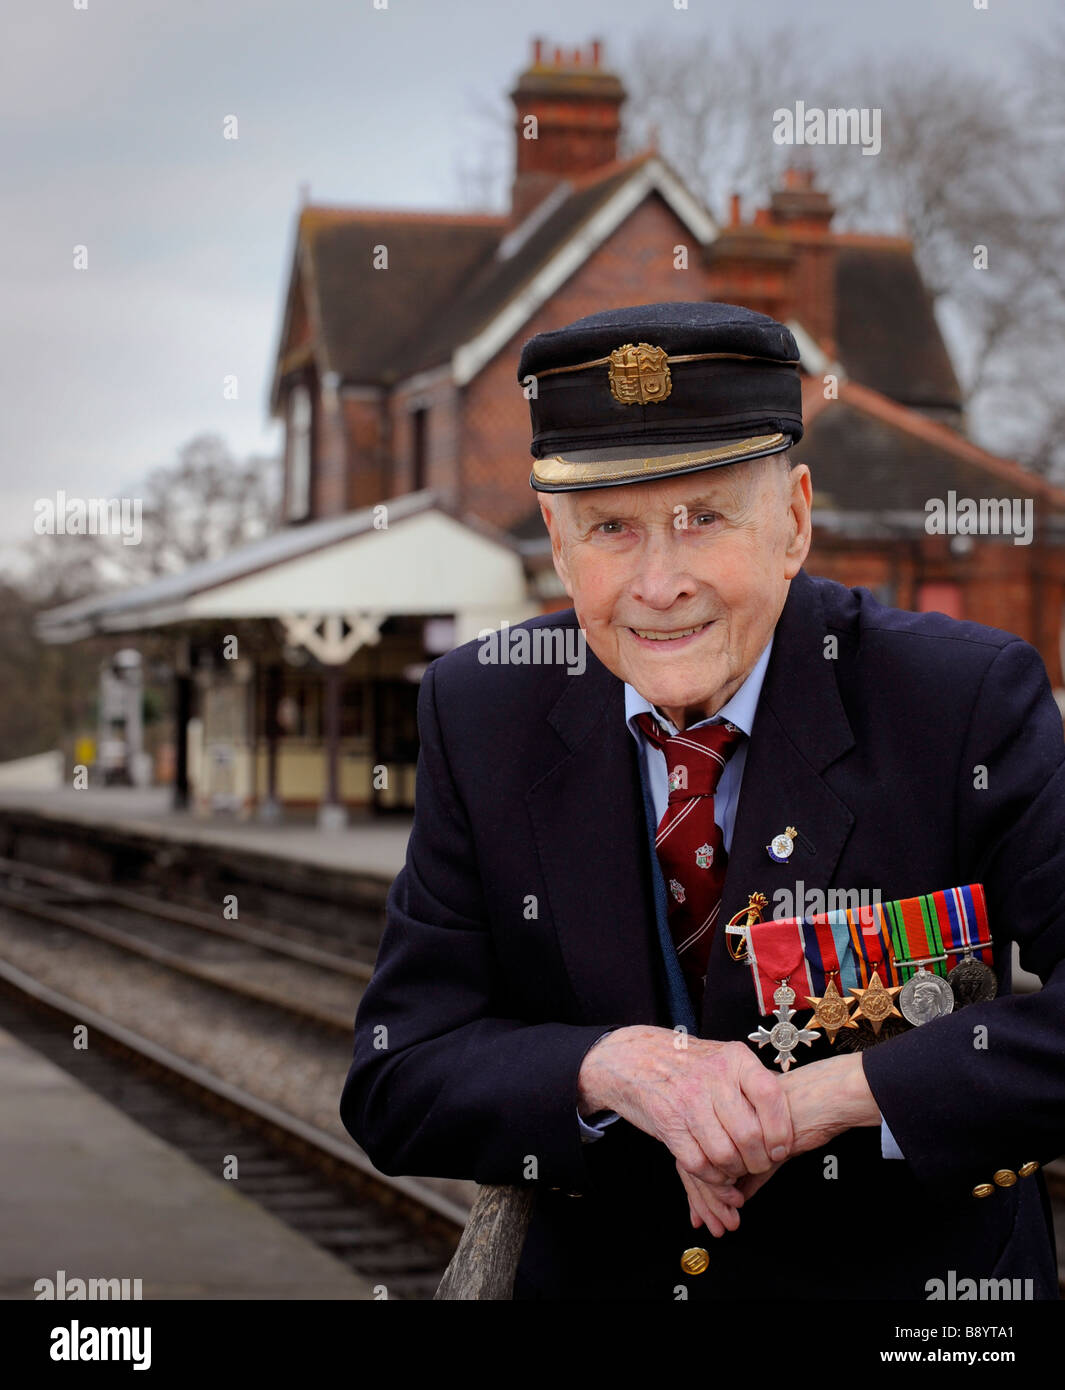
<point>781,847</point>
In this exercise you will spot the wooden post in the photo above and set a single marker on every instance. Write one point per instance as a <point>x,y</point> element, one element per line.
<point>487,1257</point>
<point>332,735</point>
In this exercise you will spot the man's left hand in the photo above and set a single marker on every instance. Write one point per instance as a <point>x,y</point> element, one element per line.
<point>828,1097</point>
<point>824,1098</point>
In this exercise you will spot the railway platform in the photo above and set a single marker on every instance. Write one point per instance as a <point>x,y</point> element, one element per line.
<point>88,1194</point>
<point>374,847</point>
<point>134,837</point>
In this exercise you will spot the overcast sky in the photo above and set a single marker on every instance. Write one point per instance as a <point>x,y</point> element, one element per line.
<point>112,119</point>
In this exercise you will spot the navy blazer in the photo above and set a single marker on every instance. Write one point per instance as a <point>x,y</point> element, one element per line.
<point>524,924</point>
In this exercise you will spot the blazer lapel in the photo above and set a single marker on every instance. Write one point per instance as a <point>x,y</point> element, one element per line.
<point>588,820</point>
<point>800,728</point>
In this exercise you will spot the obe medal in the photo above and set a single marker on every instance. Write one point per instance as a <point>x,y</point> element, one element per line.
<point>784,1035</point>
<point>782,846</point>
<point>775,956</point>
<point>925,996</point>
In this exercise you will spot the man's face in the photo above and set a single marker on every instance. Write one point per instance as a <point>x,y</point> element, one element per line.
<point>713,551</point>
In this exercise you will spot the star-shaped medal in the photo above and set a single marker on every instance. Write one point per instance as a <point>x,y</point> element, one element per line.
<point>876,1002</point>
<point>784,1035</point>
<point>831,1011</point>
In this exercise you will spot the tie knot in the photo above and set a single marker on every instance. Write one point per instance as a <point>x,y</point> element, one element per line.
<point>695,758</point>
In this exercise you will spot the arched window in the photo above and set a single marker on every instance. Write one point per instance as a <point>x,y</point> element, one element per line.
<point>298,454</point>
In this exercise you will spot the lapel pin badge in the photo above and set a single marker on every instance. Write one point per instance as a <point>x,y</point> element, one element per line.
<point>781,847</point>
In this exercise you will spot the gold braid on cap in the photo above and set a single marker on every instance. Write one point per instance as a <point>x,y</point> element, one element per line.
<point>639,372</point>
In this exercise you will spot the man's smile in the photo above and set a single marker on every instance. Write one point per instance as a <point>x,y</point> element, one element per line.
<point>672,638</point>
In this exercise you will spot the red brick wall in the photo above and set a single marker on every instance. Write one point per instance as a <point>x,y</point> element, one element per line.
<point>634,266</point>
<point>1001,585</point>
<point>815,288</point>
<point>366,468</point>
<point>329,470</point>
<point>442,401</point>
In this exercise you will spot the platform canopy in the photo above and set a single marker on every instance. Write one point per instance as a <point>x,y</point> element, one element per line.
<point>423,561</point>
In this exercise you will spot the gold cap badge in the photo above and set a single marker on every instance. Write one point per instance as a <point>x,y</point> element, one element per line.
<point>639,374</point>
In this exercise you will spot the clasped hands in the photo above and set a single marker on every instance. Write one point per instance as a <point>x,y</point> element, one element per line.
<point>728,1120</point>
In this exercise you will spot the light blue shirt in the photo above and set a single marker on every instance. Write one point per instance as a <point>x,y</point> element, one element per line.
<point>740,710</point>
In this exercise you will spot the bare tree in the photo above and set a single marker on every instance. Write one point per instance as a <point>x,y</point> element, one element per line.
<point>966,162</point>
<point>708,104</point>
<point>205,505</point>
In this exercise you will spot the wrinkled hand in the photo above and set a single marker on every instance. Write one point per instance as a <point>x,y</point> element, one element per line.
<point>728,1120</point>
<point>827,1097</point>
<point>720,1112</point>
<point>824,1099</point>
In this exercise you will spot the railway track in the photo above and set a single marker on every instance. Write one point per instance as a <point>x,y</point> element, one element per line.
<point>243,958</point>
<point>393,1232</point>
<point>315,1182</point>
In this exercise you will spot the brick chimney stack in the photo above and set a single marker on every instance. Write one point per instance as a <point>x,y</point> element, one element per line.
<point>576,105</point>
<point>804,214</point>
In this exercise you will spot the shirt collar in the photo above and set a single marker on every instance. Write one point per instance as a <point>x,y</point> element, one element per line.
<point>739,709</point>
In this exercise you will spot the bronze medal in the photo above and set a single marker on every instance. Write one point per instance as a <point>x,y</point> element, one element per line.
<point>831,1011</point>
<point>876,1002</point>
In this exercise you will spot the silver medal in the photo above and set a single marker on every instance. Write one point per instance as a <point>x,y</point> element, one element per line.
<point>972,981</point>
<point>925,996</point>
<point>784,1035</point>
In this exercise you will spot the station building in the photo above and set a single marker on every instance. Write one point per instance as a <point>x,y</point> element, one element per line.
<point>408,521</point>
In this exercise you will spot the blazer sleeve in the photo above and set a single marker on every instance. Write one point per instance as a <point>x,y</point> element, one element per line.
<point>984,1088</point>
<point>444,1080</point>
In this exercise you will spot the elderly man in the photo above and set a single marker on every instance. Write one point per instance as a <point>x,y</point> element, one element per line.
<point>555,1000</point>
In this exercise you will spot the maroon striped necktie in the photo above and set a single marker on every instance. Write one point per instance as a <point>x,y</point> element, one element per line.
<point>690,845</point>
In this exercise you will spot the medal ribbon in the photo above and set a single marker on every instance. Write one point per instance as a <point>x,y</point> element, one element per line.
<point>776,952</point>
<point>869,937</point>
<point>828,950</point>
<point>963,921</point>
<point>915,935</point>
<point>936,924</point>
<point>857,942</point>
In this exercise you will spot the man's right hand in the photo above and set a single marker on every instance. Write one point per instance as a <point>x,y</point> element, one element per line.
<point>715,1106</point>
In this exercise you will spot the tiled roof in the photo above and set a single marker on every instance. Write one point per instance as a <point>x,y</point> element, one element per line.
<point>368,315</point>
<point>447,276</point>
<point>886,331</point>
<point>868,454</point>
<point>501,279</point>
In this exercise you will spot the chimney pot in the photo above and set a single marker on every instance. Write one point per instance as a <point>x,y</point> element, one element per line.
<point>579,120</point>
<point>734,211</point>
<point>796,178</point>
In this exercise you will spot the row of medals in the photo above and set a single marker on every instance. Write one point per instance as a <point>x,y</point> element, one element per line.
<point>924,996</point>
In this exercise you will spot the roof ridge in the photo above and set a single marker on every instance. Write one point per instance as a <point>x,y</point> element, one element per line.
<point>875,403</point>
<point>321,213</point>
<point>602,172</point>
<point>883,241</point>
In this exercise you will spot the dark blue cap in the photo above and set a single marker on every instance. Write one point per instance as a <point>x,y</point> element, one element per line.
<point>632,394</point>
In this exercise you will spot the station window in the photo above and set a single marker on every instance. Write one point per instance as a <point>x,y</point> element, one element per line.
<point>419,427</point>
<point>298,454</point>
